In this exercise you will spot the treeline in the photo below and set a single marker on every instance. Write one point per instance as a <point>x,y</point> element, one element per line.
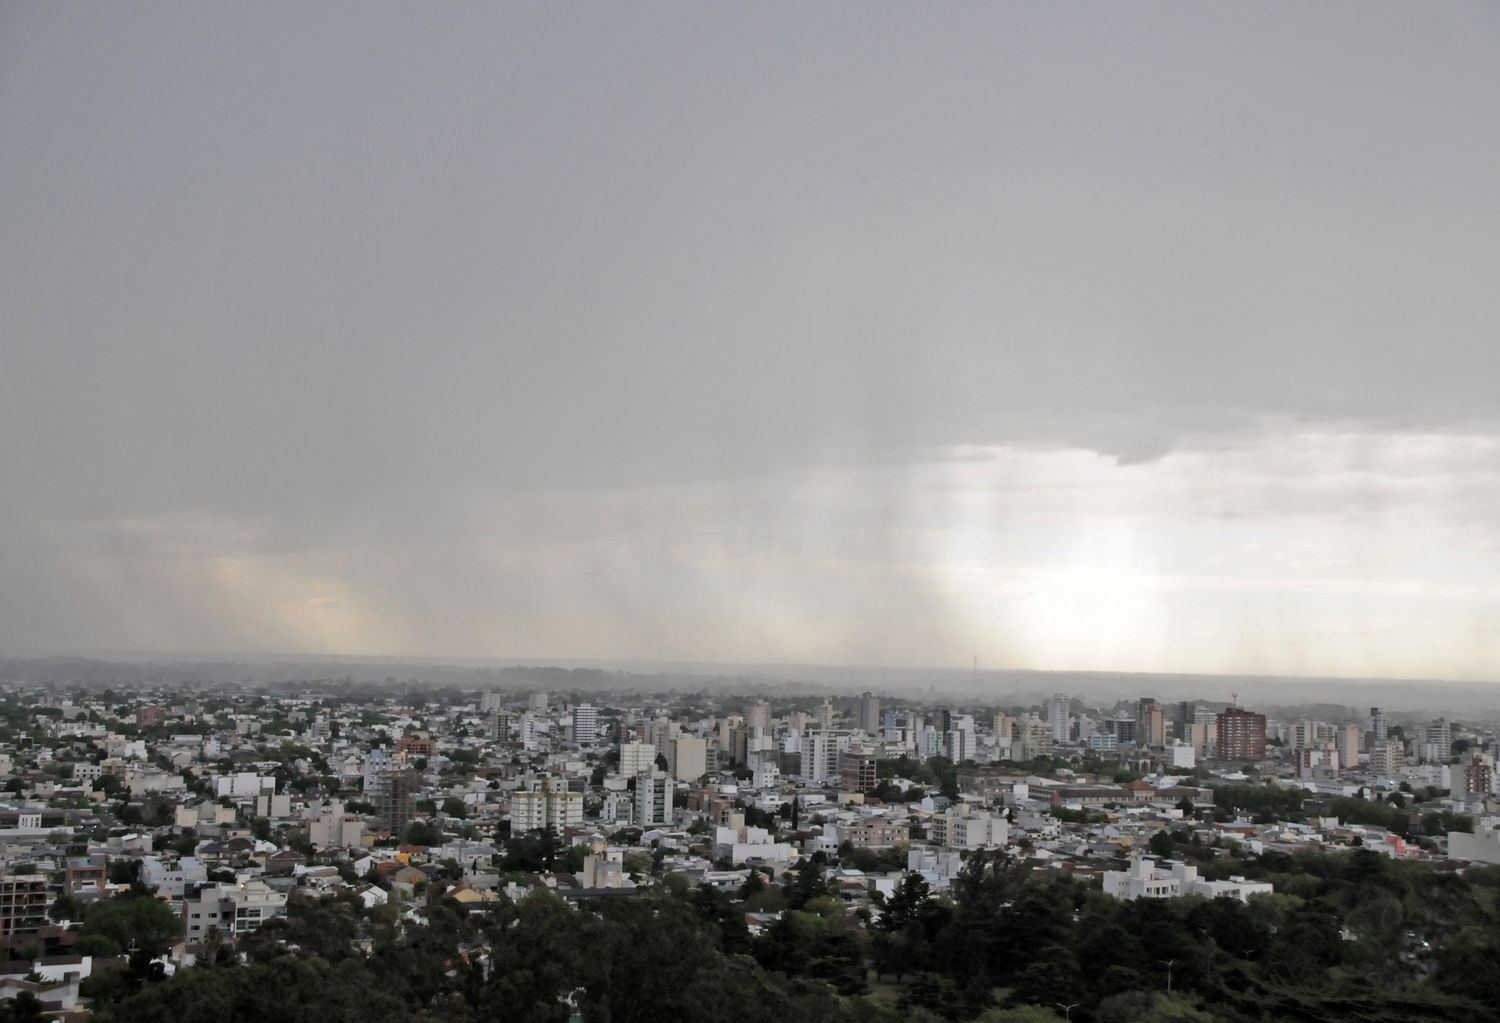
<point>1351,936</point>
<point>1399,813</point>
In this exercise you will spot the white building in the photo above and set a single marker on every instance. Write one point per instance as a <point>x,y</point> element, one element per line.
<point>585,724</point>
<point>1143,879</point>
<point>550,805</point>
<point>653,798</point>
<point>1483,846</point>
<point>961,827</point>
<point>820,755</point>
<point>174,878</point>
<point>231,909</point>
<point>636,758</point>
<point>1058,715</point>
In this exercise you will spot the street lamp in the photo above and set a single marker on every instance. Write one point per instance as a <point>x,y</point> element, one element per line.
<point>1168,964</point>
<point>1067,1009</point>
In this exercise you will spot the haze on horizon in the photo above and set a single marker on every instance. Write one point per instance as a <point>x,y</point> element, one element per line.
<point>1153,338</point>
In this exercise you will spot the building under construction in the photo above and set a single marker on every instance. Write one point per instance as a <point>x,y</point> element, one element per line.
<point>395,799</point>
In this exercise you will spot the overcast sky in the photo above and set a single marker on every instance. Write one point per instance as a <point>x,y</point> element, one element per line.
<point>1107,336</point>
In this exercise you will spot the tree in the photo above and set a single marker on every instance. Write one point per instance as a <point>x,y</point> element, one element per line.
<point>133,921</point>
<point>807,884</point>
<point>423,833</point>
<point>1161,844</point>
<point>453,806</point>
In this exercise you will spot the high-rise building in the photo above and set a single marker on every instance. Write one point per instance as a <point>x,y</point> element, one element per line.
<point>1242,735</point>
<point>499,726</point>
<point>491,700</point>
<point>1151,723</point>
<point>395,799</point>
<point>824,714</point>
<point>1437,742</point>
<point>1349,737</point>
<point>551,805</point>
<point>857,770</point>
<point>1036,740</point>
<point>1059,714</point>
<point>636,758</point>
<point>1378,724</point>
<point>1187,716</point>
<point>689,758</point>
<point>23,905</point>
<point>585,724</point>
<point>653,798</point>
<point>820,755</point>
<point>869,713</point>
<point>961,744</point>
<point>758,717</point>
<point>1387,757</point>
<point>1475,774</point>
<point>660,732</point>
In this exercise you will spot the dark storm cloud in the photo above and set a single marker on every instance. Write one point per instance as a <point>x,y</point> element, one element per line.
<point>337,285</point>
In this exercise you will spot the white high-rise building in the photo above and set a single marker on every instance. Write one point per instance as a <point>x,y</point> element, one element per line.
<point>1437,742</point>
<point>824,715</point>
<point>660,732</point>
<point>1059,715</point>
<point>636,758</point>
<point>820,756</point>
<point>585,724</point>
<point>758,717</point>
<point>551,805</point>
<point>961,745</point>
<point>869,713</point>
<point>653,798</point>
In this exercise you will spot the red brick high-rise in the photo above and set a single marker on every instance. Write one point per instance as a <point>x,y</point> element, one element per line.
<point>1242,735</point>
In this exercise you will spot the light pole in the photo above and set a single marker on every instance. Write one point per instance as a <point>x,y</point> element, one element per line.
<point>1067,1009</point>
<point>1168,964</point>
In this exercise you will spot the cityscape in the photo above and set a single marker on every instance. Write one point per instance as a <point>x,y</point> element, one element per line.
<point>169,849</point>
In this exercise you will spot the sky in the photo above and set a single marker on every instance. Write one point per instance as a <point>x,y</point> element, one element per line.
<point>1140,337</point>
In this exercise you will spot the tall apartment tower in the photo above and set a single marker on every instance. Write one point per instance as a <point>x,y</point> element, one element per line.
<point>824,713</point>
<point>758,717</point>
<point>636,758</point>
<point>1349,737</point>
<point>549,806</point>
<point>585,724</point>
<point>1242,735</point>
<point>1378,724</point>
<point>688,758</point>
<point>1437,742</point>
<point>1058,713</point>
<point>869,713</point>
<point>653,798</point>
<point>1187,716</point>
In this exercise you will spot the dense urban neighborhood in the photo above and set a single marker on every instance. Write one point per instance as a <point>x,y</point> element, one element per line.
<point>171,852</point>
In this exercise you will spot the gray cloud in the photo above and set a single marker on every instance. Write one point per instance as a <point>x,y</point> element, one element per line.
<point>328,297</point>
